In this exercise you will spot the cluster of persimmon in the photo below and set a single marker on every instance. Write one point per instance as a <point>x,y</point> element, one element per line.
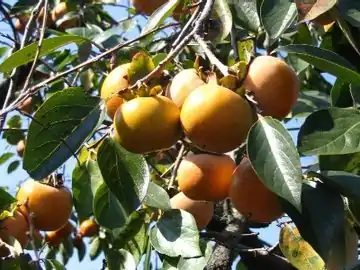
<point>55,15</point>
<point>216,120</point>
<point>47,208</point>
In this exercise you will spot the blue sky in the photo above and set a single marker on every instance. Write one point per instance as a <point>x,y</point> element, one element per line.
<point>270,234</point>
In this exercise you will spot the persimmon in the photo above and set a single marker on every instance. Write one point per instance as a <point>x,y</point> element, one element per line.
<point>148,7</point>
<point>215,118</point>
<point>55,238</point>
<point>114,82</point>
<point>15,226</point>
<point>201,210</point>
<point>59,12</point>
<point>251,197</point>
<point>206,177</point>
<point>183,84</point>
<point>27,106</point>
<point>20,148</point>
<point>51,206</point>
<point>147,124</point>
<point>20,23</point>
<point>40,18</point>
<point>88,228</point>
<point>274,84</point>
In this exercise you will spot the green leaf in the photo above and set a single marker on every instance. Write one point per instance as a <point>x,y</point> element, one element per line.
<point>13,136</point>
<point>85,181</point>
<point>348,163</point>
<point>245,14</point>
<point>176,234</point>
<point>299,252</point>
<point>310,101</point>
<point>275,159</point>
<point>27,54</point>
<point>332,131</point>
<point>13,166</point>
<point>5,157</point>
<point>141,65</point>
<point>95,248</point>
<point>321,222</point>
<point>340,94</point>
<point>351,10</point>
<point>132,236</point>
<point>126,174</point>
<point>276,16</point>
<point>157,197</point>
<point>120,259</point>
<point>5,199</point>
<point>157,18</point>
<point>324,60</point>
<point>199,262</point>
<point>108,212</point>
<point>59,127</point>
<point>347,184</point>
<point>222,12</point>
<point>54,264</point>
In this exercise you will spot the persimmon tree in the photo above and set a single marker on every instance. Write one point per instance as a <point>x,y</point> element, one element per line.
<point>177,119</point>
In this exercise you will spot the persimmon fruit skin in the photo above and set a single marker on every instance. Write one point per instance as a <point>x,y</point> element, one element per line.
<point>147,124</point>
<point>115,81</point>
<point>251,197</point>
<point>20,148</point>
<point>55,238</point>
<point>274,84</point>
<point>148,7</point>
<point>51,206</point>
<point>88,228</point>
<point>16,226</point>
<point>59,11</point>
<point>27,106</point>
<point>201,210</point>
<point>183,84</point>
<point>20,23</point>
<point>206,177</point>
<point>216,119</point>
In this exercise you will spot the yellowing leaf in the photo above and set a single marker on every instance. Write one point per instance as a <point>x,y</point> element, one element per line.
<point>298,251</point>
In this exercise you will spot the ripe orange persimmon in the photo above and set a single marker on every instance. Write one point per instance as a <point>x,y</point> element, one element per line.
<point>88,228</point>
<point>201,210</point>
<point>215,118</point>
<point>251,197</point>
<point>27,106</point>
<point>15,226</point>
<point>206,177</point>
<point>51,206</point>
<point>183,84</point>
<point>20,23</point>
<point>54,238</point>
<point>114,82</point>
<point>147,124</point>
<point>59,11</point>
<point>40,18</point>
<point>20,148</point>
<point>274,84</point>
<point>148,7</point>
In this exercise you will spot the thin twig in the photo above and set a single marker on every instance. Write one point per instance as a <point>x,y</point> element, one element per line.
<point>37,54</point>
<point>213,59</point>
<point>32,90</point>
<point>186,27</point>
<point>176,166</point>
